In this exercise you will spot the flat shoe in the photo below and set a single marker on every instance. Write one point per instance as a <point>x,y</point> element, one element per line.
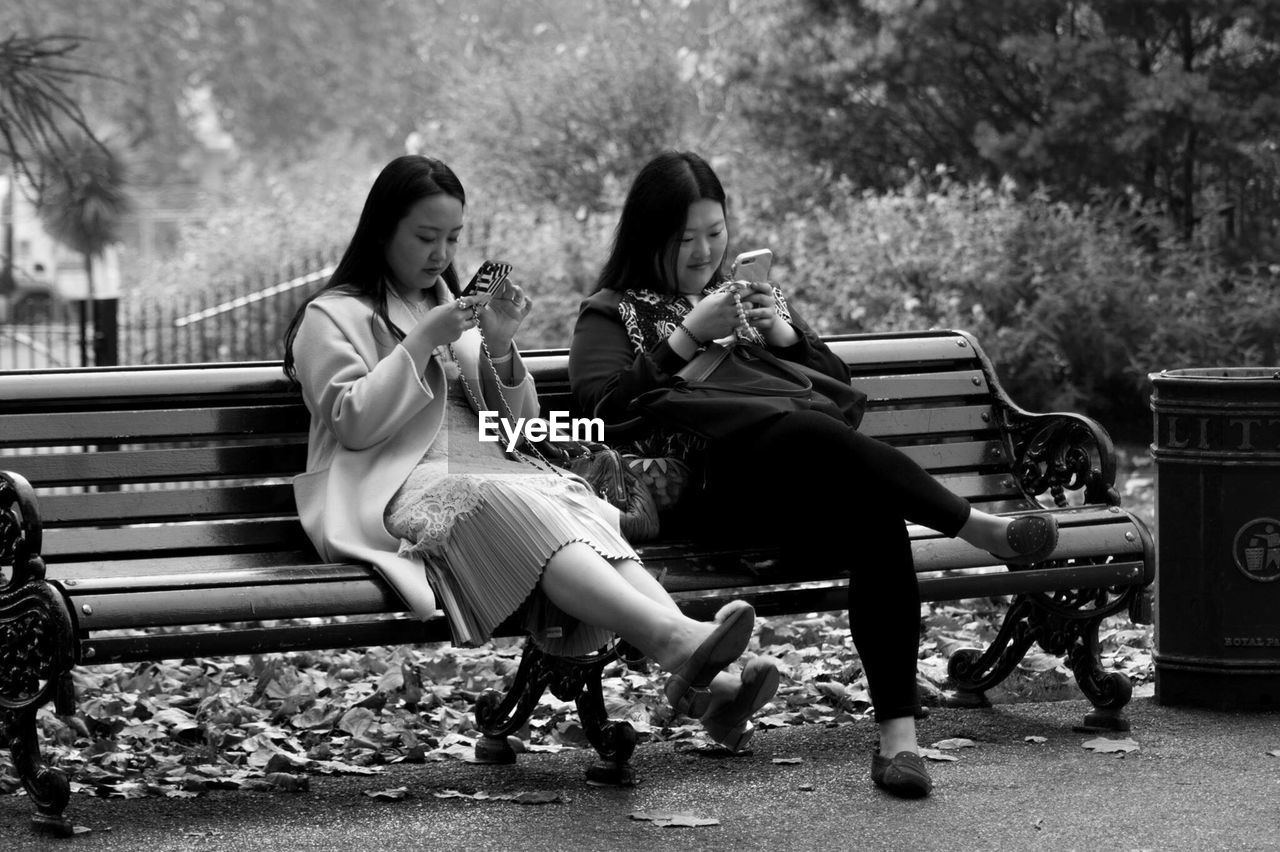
<point>1033,538</point>
<point>730,724</point>
<point>686,688</point>
<point>903,775</point>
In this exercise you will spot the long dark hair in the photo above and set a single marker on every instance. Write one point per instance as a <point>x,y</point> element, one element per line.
<point>653,216</point>
<point>363,270</point>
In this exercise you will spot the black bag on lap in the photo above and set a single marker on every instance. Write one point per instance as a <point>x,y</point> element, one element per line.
<point>725,389</point>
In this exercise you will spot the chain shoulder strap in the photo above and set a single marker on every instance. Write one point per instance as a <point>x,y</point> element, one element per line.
<point>546,465</point>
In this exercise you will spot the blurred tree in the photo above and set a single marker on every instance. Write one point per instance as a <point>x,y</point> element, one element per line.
<point>1173,100</point>
<point>36,107</point>
<point>36,112</point>
<point>571,104</point>
<point>269,79</point>
<point>560,95</point>
<point>81,205</point>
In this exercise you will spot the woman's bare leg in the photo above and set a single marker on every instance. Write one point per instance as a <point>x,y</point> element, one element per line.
<point>898,735</point>
<point>989,532</point>
<point>724,687</point>
<point>586,586</point>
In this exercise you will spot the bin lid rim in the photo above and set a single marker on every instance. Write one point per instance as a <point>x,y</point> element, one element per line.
<point>1233,374</point>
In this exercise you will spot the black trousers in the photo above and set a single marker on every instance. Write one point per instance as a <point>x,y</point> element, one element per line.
<point>827,493</point>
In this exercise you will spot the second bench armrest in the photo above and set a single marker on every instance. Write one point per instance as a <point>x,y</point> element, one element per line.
<point>1062,452</point>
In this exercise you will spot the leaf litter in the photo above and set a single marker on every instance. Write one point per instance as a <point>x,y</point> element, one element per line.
<point>183,728</point>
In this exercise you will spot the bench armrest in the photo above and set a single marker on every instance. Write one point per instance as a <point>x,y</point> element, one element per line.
<point>20,532</point>
<point>1061,452</point>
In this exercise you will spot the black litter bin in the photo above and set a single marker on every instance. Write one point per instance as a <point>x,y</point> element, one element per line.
<point>1217,454</point>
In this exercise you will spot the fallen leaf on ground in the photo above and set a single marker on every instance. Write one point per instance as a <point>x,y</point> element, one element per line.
<point>776,720</point>
<point>1036,740</point>
<point>391,795</point>
<point>1275,752</point>
<point>954,743</point>
<point>1102,745</point>
<point>665,819</point>
<point>937,754</point>
<point>787,760</point>
<point>533,797</point>
<point>280,781</point>
<point>537,797</point>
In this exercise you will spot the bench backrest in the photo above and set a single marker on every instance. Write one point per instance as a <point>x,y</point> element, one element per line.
<point>151,463</point>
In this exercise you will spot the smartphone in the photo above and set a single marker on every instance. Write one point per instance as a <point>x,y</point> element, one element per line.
<point>486,281</point>
<point>752,266</point>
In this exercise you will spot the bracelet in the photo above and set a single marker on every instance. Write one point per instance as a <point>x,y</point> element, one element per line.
<point>701,344</point>
<point>502,359</point>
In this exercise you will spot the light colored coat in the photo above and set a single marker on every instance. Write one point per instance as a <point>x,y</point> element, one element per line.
<point>374,413</point>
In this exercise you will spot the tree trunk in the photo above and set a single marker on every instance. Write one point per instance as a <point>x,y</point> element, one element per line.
<point>88,311</point>
<point>1187,40</point>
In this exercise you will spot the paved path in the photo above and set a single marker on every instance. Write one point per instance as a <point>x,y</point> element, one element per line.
<point>1200,780</point>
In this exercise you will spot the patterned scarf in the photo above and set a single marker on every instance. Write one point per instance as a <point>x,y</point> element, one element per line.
<point>651,317</point>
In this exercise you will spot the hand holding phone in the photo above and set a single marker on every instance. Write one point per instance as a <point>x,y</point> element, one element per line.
<point>487,280</point>
<point>752,266</point>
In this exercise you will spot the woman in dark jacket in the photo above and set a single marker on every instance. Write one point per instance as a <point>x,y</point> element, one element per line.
<point>659,301</point>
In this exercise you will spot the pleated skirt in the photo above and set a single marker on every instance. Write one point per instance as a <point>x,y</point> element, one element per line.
<point>486,560</point>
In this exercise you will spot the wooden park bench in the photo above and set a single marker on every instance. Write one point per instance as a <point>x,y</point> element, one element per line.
<point>140,500</point>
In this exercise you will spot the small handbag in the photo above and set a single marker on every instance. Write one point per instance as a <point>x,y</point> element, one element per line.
<point>726,389</point>
<point>600,466</point>
<point>612,478</point>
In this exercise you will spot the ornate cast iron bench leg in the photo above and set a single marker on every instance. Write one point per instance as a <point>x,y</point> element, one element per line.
<point>1064,624</point>
<point>569,678</point>
<point>974,671</point>
<point>36,640</point>
<point>613,741</point>
<point>1069,627</point>
<point>499,717</point>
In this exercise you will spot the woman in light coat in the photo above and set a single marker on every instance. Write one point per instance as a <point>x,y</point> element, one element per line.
<point>395,365</point>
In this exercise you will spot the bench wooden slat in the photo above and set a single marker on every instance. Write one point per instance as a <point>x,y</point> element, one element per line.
<point>833,595</point>
<point>1084,532</point>
<point>77,543</point>
<point>933,559</point>
<point>268,573</point>
<point>233,604</point>
<point>961,384</point>
<point>892,353</point>
<point>251,461</point>
<point>137,648</point>
<point>154,506</point>
<point>966,419</point>
<point>119,383</point>
<point>981,489</point>
<point>95,569</point>
<point>936,553</point>
<point>179,424</point>
<point>960,455</point>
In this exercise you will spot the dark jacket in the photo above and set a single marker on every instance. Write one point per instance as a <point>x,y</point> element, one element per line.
<point>606,373</point>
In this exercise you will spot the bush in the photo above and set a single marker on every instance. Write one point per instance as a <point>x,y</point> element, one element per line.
<point>1074,304</point>
<point>259,225</point>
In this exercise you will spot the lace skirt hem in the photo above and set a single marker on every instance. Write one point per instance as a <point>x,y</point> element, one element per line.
<point>493,556</point>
